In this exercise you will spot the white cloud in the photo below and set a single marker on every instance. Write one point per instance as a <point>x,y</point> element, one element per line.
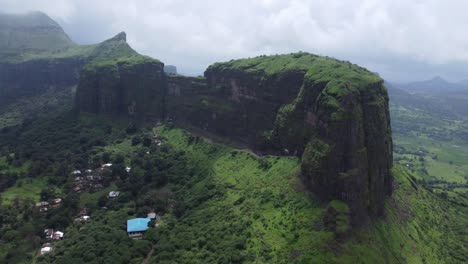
<point>193,34</point>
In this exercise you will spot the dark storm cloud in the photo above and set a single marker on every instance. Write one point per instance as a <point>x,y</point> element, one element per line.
<point>402,40</point>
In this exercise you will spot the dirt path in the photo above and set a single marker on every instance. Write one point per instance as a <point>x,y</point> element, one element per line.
<point>148,257</point>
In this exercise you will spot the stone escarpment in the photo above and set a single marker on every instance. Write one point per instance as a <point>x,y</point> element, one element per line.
<point>35,76</point>
<point>332,114</point>
<point>133,87</point>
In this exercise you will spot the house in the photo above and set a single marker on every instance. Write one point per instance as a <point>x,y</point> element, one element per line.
<point>89,171</point>
<point>137,227</point>
<point>83,218</point>
<point>107,165</point>
<point>114,194</point>
<point>76,172</point>
<point>128,169</point>
<point>77,189</point>
<point>56,201</point>
<point>46,250</point>
<point>57,235</point>
<point>151,215</point>
<point>84,211</point>
<point>49,233</point>
<point>42,204</point>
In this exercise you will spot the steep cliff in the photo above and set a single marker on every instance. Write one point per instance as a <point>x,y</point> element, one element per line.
<point>35,76</point>
<point>133,87</point>
<point>120,82</point>
<point>38,68</point>
<point>332,114</point>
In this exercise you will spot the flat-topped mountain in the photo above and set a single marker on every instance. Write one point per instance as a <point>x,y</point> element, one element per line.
<point>331,113</point>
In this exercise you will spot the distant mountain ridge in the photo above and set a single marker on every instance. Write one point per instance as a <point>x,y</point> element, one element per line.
<point>34,32</point>
<point>434,85</point>
<point>436,96</point>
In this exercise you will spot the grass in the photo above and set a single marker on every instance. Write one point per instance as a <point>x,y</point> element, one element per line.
<point>449,166</point>
<point>261,205</point>
<point>93,197</point>
<point>435,132</point>
<point>262,199</point>
<point>25,189</point>
<point>5,168</point>
<point>339,77</point>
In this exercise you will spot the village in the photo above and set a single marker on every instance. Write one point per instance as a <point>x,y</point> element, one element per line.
<point>89,180</point>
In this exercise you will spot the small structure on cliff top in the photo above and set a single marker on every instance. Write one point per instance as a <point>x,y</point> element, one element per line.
<point>170,69</point>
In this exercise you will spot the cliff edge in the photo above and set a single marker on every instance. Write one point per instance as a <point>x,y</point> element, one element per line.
<point>332,114</point>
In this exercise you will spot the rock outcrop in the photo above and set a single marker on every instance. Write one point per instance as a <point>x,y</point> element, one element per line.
<point>170,69</point>
<point>133,88</point>
<point>36,76</point>
<point>332,114</point>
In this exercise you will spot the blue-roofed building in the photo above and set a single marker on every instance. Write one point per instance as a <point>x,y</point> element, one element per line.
<point>136,227</point>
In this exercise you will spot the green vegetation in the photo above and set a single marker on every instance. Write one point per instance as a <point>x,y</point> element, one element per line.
<point>431,142</point>
<point>317,68</point>
<point>51,101</point>
<point>217,204</point>
<point>338,78</point>
<point>24,35</point>
<point>27,189</point>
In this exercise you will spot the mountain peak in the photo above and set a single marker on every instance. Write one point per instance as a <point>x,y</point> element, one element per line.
<point>438,79</point>
<point>121,36</point>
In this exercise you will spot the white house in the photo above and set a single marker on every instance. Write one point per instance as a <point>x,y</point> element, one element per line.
<point>114,194</point>
<point>58,235</point>
<point>45,250</point>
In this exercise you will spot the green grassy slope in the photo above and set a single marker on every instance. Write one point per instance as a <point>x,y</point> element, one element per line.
<point>340,77</point>
<point>258,211</point>
<point>241,208</point>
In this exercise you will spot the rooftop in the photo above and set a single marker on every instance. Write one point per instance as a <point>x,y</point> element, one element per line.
<point>137,224</point>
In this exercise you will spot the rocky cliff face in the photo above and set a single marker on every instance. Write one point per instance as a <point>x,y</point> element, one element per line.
<point>36,76</point>
<point>123,88</point>
<point>332,114</point>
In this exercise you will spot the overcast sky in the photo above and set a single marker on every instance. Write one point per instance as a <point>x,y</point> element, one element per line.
<point>400,39</point>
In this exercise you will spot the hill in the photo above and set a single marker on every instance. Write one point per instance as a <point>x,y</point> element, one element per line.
<point>434,85</point>
<point>331,113</point>
<point>32,33</point>
<point>304,171</point>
